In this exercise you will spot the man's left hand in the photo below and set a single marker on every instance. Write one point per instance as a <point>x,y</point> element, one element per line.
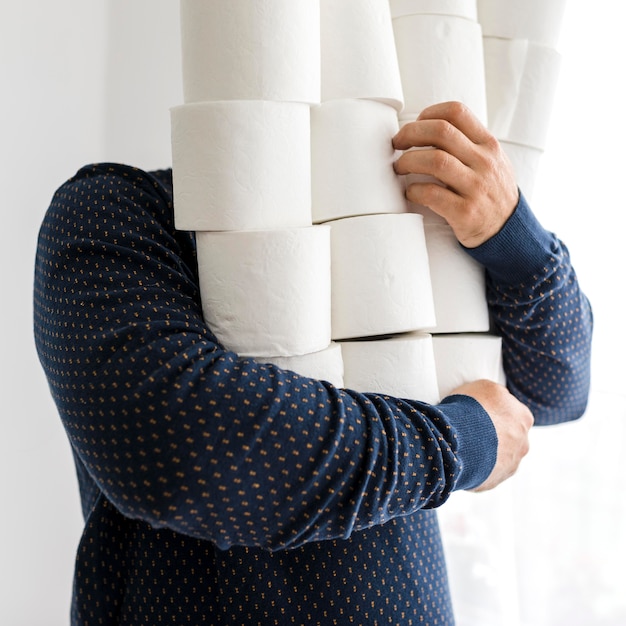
<point>479,192</point>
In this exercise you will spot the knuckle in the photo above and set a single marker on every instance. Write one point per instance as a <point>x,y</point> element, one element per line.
<point>431,194</point>
<point>490,385</point>
<point>444,129</point>
<point>492,144</point>
<point>440,160</point>
<point>456,110</point>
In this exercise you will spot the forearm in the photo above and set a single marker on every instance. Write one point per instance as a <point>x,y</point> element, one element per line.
<point>543,317</point>
<point>224,449</point>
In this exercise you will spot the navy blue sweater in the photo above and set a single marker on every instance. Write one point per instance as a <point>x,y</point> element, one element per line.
<point>216,490</point>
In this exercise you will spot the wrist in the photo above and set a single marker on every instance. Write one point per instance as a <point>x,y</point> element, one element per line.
<point>476,439</point>
<point>518,250</point>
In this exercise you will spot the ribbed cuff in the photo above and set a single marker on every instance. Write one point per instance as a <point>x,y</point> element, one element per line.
<point>519,251</point>
<point>477,440</point>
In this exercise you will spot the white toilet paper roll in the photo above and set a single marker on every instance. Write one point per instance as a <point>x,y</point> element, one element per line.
<point>241,165</point>
<point>401,366</point>
<point>458,282</point>
<point>358,52</point>
<point>352,160</point>
<point>440,59</point>
<point>267,293</point>
<point>380,277</point>
<point>465,357</point>
<point>323,365</point>
<point>537,20</point>
<point>251,50</point>
<point>525,161</point>
<point>457,8</point>
<point>521,78</point>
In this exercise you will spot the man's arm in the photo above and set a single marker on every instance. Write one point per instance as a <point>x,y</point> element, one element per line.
<point>534,297</point>
<point>181,433</point>
<point>543,317</point>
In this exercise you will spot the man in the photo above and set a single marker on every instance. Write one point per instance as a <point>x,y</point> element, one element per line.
<point>216,490</point>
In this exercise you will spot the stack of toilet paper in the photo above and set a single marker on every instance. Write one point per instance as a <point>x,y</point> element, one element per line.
<point>521,67</point>
<point>439,45</point>
<point>309,255</point>
<point>241,160</point>
<point>381,284</point>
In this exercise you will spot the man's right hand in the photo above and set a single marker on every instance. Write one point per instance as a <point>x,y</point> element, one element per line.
<point>512,421</point>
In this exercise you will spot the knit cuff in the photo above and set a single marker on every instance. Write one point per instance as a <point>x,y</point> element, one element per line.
<point>519,250</point>
<point>476,437</point>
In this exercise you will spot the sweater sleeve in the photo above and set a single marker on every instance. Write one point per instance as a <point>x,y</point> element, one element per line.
<point>177,431</point>
<point>543,317</point>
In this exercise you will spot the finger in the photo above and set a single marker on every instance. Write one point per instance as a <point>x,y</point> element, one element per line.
<point>440,134</point>
<point>461,117</point>
<point>443,201</point>
<point>436,133</point>
<point>439,164</point>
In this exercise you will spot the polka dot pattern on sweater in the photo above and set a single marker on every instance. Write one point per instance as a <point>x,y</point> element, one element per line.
<point>216,490</point>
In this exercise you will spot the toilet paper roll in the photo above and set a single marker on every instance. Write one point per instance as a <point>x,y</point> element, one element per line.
<point>241,165</point>
<point>466,357</point>
<point>537,20</point>
<point>440,59</point>
<point>267,293</point>
<point>358,52</point>
<point>401,366</point>
<point>251,50</point>
<point>521,78</point>
<point>323,365</point>
<point>380,277</point>
<point>457,8</point>
<point>458,283</point>
<point>525,161</point>
<point>352,160</point>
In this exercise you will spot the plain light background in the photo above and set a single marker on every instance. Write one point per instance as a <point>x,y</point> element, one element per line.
<point>93,81</point>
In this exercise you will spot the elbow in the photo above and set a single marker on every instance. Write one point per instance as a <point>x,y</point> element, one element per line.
<point>576,374</point>
<point>555,384</point>
<point>563,398</point>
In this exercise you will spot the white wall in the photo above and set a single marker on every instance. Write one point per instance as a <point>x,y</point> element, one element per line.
<point>88,81</point>
<point>579,190</point>
<point>82,82</point>
<point>51,111</point>
<point>142,80</point>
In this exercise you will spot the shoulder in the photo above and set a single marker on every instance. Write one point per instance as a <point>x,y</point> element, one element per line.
<point>103,199</point>
<point>107,185</point>
<point>119,173</point>
<point>115,210</point>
